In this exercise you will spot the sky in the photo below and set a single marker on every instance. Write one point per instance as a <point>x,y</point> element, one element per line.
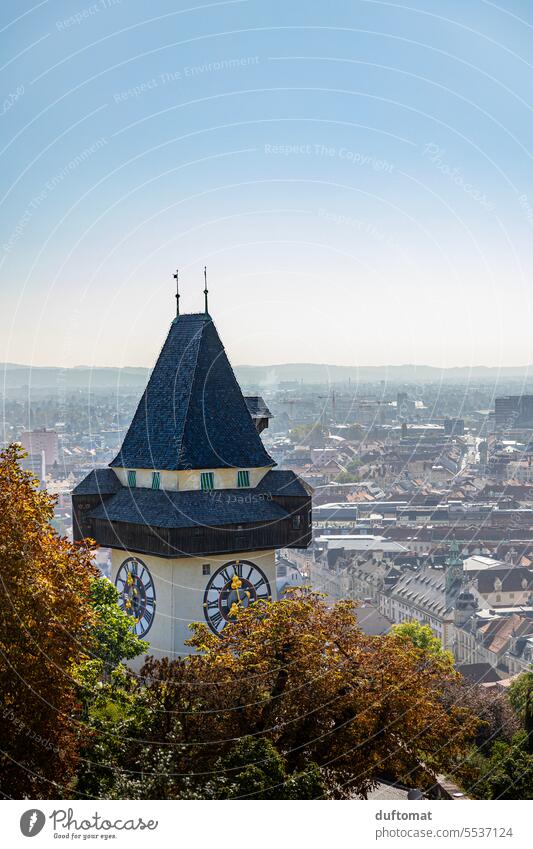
<point>356,175</point>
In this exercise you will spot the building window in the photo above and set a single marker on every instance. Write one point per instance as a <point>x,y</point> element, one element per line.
<point>156,480</point>
<point>132,477</point>
<point>296,522</point>
<point>206,569</point>
<point>243,478</point>
<point>207,481</point>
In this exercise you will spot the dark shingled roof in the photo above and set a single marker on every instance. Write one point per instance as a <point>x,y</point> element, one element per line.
<point>192,414</point>
<point>284,482</point>
<point>187,508</point>
<point>166,509</point>
<point>98,482</point>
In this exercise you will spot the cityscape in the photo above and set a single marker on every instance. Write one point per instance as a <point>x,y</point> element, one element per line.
<point>403,475</point>
<point>266,431</point>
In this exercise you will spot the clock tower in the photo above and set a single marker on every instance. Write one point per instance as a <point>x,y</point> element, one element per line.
<point>192,506</point>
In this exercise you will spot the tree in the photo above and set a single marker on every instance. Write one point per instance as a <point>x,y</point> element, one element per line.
<point>508,773</point>
<point>353,467</point>
<point>521,698</point>
<point>293,695</point>
<point>314,434</point>
<point>347,477</point>
<point>251,769</point>
<point>117,714</point>
<point>501,767</point>
<point>254,769</point>
<point>423,638</point>
<point>113,638</point>
<point>354,432</point>
<point>498,721</point>
<point>520,693</point>
<point>45,627</point>
<point>105,687</point>
<point>528,720</point>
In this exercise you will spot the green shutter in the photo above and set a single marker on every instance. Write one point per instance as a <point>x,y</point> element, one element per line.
<point>132,477</point>
<point>207,481</point>
<point>243,478</point>
<point>156,480</point>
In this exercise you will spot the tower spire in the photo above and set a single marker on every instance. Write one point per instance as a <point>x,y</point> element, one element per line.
<point>176,278</point>
<point>205,289</point>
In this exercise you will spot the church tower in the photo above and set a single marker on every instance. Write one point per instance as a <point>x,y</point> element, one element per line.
<point>454,572</point>
<point>191,506</point>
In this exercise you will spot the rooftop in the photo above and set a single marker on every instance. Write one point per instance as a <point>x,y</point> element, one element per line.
<point>191,508</point>
<point>192,414</point>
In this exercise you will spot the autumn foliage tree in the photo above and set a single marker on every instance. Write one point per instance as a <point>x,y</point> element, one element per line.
<point>294,689</point>
<point>45,627</point>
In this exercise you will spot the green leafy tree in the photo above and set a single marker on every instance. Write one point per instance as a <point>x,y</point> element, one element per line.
<point>423,638</point>
<point>117,715</point>
<point>111,641</point>
<point>313,434</point>
<point>347,477</point>
<point>508,773</point>
<point>501,767</point>
<point>353,467</point>
<point>521,697</point>
<point>113,636</point>
<point>520,693</point>
<point>354,432</point>
<point>109,706</point>
<point>528,720</point>
<point>252,768</point>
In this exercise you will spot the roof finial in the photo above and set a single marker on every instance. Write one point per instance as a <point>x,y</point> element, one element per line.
<point>205,289</point>
<point>176,278</point>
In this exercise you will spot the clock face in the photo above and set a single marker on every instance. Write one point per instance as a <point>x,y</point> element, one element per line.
<point>235,585</point>
<point>136,594</point>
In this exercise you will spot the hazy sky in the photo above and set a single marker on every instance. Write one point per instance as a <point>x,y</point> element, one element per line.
<point>358,177</point>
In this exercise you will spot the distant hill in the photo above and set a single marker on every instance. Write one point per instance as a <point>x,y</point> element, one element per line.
<point>18,378</point>
<point>312,373</point>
